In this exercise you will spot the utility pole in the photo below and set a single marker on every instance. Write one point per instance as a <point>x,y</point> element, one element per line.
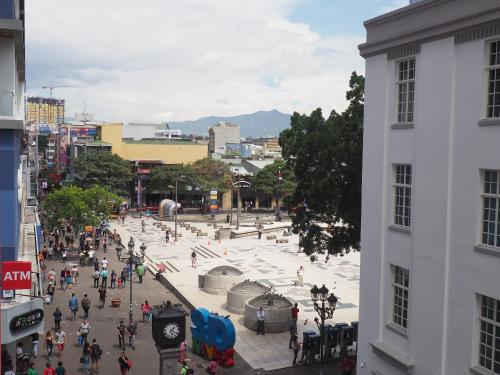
<point>37,166</point>
<point>175,231</point>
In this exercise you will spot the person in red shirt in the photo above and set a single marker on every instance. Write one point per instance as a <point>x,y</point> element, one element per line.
<point>49,370</point>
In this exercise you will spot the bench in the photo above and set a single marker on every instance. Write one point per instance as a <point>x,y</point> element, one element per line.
<point>282,241</point>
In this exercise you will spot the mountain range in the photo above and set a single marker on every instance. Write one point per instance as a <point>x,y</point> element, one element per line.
<point>255,125</point>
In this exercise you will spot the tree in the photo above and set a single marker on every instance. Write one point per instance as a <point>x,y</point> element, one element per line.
<point>103,169</point>
<point>326,156</point>
<point>164,176</point>
<point>211,174</point>
<point>78,206</point>
<point>266,180</point>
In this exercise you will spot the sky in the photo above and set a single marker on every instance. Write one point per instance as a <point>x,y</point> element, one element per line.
<point>174,60</point>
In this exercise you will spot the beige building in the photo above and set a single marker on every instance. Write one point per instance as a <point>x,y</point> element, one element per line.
<point>44,110</point>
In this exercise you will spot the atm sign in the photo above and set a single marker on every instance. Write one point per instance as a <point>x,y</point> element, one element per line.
<point>16,275</point>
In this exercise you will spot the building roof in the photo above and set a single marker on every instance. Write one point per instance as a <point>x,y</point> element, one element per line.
<point>260,163</point>
<point>160,141</point>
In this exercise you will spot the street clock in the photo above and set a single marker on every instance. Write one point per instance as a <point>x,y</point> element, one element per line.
<point>169,325</point>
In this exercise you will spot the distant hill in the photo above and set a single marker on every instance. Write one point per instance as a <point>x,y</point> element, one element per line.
<point>258,124</point>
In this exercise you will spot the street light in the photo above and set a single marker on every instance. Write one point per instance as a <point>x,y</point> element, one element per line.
<point>324,312</point>
<point>131,245</point>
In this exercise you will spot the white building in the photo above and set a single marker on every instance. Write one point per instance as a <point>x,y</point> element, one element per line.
<point>222,135</point>
<point>430,265</point>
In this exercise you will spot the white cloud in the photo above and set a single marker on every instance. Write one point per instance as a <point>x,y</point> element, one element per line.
<point>183,59</point>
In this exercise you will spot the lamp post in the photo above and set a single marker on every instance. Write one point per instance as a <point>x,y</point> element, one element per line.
<point>131,246</point>
<point>324,312</point>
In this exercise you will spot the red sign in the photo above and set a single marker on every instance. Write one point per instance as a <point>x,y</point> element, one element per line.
<point>16,275</point>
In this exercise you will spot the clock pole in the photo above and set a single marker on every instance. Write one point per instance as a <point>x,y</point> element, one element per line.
<point>131,246</point>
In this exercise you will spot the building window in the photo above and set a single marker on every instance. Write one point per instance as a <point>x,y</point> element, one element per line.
<point>400,284</point>
<point>493,110</point>
<point>402,195</point>
<point>490,234</point>
<point>406,90</point>
<point>489,335</point>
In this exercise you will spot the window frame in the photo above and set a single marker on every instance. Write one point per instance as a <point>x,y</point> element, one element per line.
<point>407,187</point>
<point>488,68</point>
<point>496,223</point>
<point>402,326</point>
<point>479,342</point>
<point>398,81</point>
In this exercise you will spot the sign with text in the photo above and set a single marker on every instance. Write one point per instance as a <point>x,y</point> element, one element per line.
<point>16,275</point>
<point>25,321</point>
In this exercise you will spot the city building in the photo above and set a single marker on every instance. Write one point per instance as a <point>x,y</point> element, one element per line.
<point>44,110</point>
<point>223,137</point>
<point>21,310</point>
<point>429,288</point>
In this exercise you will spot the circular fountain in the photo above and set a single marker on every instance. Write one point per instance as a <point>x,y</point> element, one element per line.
<point>219,279</point>
<point>277,310</point>
<point>238,294</point>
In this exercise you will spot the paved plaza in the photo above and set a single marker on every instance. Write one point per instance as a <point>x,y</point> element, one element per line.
<point>273,264</point>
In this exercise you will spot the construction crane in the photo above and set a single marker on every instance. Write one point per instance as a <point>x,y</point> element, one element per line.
<point>52,87</point>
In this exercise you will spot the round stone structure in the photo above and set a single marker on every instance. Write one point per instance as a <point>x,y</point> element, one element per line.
<point>242,292</point>
<point>219,279</point>
<point>277,312</point>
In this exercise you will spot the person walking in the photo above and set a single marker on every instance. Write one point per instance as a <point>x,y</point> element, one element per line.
<point>95,356</point>
<point>113,279</point>
<point>69,278</point>
<point>193,259</point>
<point>62,279</point>
<point>123,277</point>
<point>121,335</point>
<point>146,311</point>
<point>57,318</point>
<point>260,321</point>
<point>74,274</point>
<point>85,306</point>
<point>212,367</point>
<point>49,344</point>
<point>295,315</point>
<point>49,370</point>
<point>60,370</point>
<point>97,276</point>
<point>131,332</point>
<point>104,278</point>
<point>85,360</point>
<point>84,330</point>
<point>300,276</point>
<point>140,271</point>
<point>96,264</point>
<point>260,232</point>
<point>31,370</point>
<point>35,339</point>
<point>52,277</point>
<point>167,236</point>
<point>104,263</point>
<point>60,341</point>
<point>73,305</point>
<point>102,297</point>
<point>105,245</point>
<point>184,368</point>
<point>124,363</point>
<point>296,348</point>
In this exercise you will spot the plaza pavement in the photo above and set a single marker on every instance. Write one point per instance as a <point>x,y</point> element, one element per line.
<point>263,260</point>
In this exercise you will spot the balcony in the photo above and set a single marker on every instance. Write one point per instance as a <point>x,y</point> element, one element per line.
<point>7,9</point>
<point>10,19</point>
<point>9,119</point>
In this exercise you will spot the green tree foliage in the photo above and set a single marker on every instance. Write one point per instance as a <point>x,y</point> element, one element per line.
<point>103,169</point>
<point>326,156</point>
<point>266,180</point>
<point>211,174</point>
<point>78,206</point>
<point>163,177</point>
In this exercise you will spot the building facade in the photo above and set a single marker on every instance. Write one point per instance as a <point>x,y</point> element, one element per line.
<point>44,110</point>
<point>222,135</point>
<point>429,292</point>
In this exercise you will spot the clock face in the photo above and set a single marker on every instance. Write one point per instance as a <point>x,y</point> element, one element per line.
<point>171,330</point>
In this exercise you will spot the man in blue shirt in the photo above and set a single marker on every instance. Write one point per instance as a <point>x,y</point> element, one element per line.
<point>73,305</point>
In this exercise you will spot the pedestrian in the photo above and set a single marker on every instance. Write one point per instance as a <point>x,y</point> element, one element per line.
<point>132,332</point>
<point>141,271</point>
<point>21,356</point>
<point>49,344</point>
<point>84,330</point>
<point>49,370</point>
<point>113,280</point>
<point>69,278</point>
<point>95,356</point>
<point>85,306</point>
<point>296,348</point>
<point>123,276</point>
<point>193,259</point>
<point>85,359</point>
<point>104,278</point>
<point>43,267</point>
<point>105,245</point>
<point>184,368</point>
<point>121,335</point>
<point>260,232</point>
<point>120,283</point>
<point>62,279</point>
<point>167,236</point>
<point>57,318</point>
<point>97,276</point>
<point>260,321</point>
<point>35,339</point>
<point>74,274</point>
<point>52,277</point>
<point>104,263</point>
<point>102,297</point>
<point>300,276</point>
<point>60,370</point>
<point>73,305</point>
<point>31,370</point>
<point>295,315</point>
<point>60,341</point>
<point>125,363</point>
<point>182,352</point>
<point>347,366</point>
<point>212,367</point>
<point>96,264</point>
<point>227,218</point>
<point>146,311</point>
<point>143,225</point>
<point>50,294</point>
